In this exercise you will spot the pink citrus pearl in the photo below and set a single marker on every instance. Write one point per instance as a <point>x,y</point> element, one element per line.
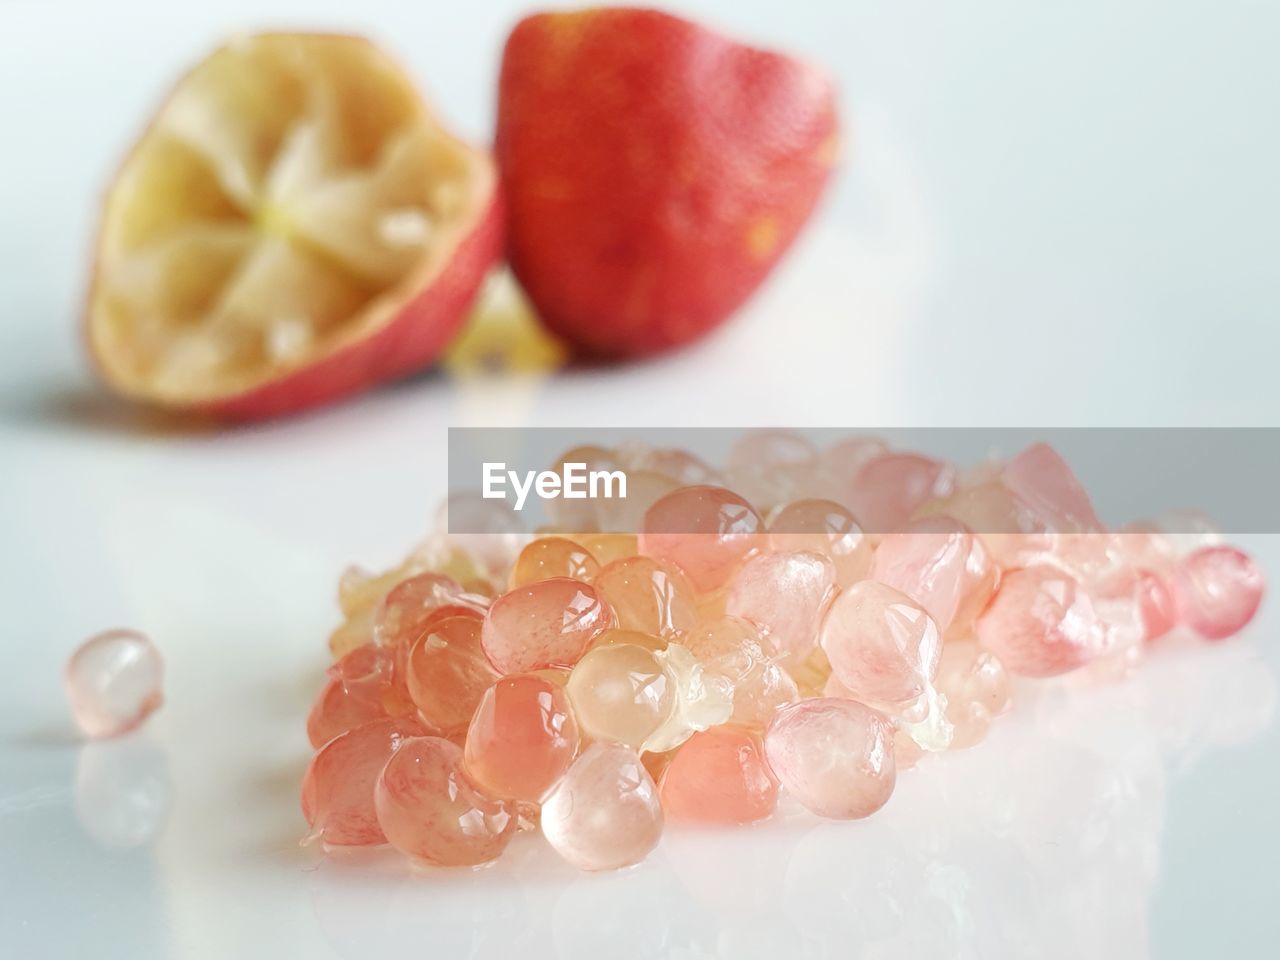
<point>1217,591</point>
<point>825,527</point>
<point>845,458</point>
<point>647,596</point>
<point>719,776</point>
<point>1041,479</point>
<point>447,673</point>
<point>549,557</point>
<point>604,813</point>
<point>1159,615</point>
<point>784,595</point>
<point>522,738</point>
<point>430,809</point>
<point>927,563</point>
<point>889,489</point>
<point>337,789</point>
<point>403,612</point>
<point>769,466</point>
<point>978,584</point>
<point>723,636</point>
<point>113,682</point>
<point>545,624</point>
<point>976,686</point>
<point>363,685</point>
<point>1041,623</point>
<point>335,712</point>
<point>705,531</point>
<point>834,756</point>
<point>681,466</point>
<point>883,647</point>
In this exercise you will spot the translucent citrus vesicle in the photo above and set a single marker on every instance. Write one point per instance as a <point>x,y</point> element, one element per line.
<point>294,225</point>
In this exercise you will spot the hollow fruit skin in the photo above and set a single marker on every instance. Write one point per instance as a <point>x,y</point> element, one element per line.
<point>412,330</point>
<point>409,340</point>
<point>655,172</point>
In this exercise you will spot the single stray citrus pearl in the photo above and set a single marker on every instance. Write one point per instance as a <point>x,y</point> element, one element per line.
<point>550,623</point>
<point>430,809</point>
<point>113,682</point>
<point>1217,591</point>
<point>834,756</point>
<point>647,596</point>
<point>401,616</point>
<point>1041,623</point>
<point>447,673</point>
<point>883,647</point>
<point>522,738</point>
<point>719,776</point>
<point>785,596</point>
<point>621,692</point>
<point>337,789</point>
<point>825,527</point>
<point>549,557</point>
<point>705,531</point>
<point>605,813</point>
<point>976,686</point>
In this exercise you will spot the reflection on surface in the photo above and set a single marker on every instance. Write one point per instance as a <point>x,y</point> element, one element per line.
<point>122,790</point>
<point>1044,841</point>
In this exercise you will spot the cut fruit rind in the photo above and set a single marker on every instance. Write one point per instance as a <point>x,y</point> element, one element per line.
<point>294,225</point>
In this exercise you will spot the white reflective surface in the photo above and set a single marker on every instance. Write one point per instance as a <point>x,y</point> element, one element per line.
<point>1057,218</point>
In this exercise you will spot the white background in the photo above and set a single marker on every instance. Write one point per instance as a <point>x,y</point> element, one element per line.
<point>1050,215</point>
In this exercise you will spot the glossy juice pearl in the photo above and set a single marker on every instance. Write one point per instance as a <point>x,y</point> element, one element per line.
<point>337,789</point>
<point>549,557</point>
<point>768,467</point>
<point>647,596</point>
<point>719,776</point>
<point>621,692</point>
<point>522,738</point>
<point>604,813</point>
<point>883,647</point>
<point>335,711</point>
<point>1217,591</point>
<point>889,489</point>
<point>785,596</point>
<point>403,612</point>
<point>550,623</point>
<point>374,677</point>
<point>1041,623</point>
<point>703,699</point>
<point>1159,613</point>
<point>836,757</point>
<point>705,531</point>
<point>1040,478</point>
<point>114,682</point>
<point>976,686</point>
<point>431,810</point>
<point>926,563</point>
<point>730,648</point>
<point>825,527</point>
<point>609,547</point>
<point>580,515</point>
<point>447,673</point>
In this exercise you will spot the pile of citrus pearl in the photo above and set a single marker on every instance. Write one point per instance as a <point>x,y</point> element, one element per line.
<point>805,621</point>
